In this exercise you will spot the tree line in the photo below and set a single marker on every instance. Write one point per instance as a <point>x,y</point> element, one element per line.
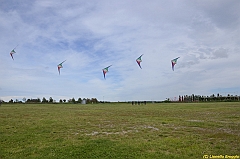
<point>181,98</point>
<point>211,98</point>
<point>51,100</point>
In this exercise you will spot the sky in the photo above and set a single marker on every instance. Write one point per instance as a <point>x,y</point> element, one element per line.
<point>91,35</point>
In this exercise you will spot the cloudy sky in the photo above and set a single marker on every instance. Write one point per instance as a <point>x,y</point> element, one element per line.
<point>91,35</point>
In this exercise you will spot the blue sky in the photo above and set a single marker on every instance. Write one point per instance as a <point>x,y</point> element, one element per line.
<point>92,35</point>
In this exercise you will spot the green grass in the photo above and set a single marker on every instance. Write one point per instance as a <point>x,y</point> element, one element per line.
<point>167,130</point>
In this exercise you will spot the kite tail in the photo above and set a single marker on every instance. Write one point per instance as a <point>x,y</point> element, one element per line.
<point>104,74</point>
<point>172,66</point>
<point>12,56</point>
<point>140,65</point>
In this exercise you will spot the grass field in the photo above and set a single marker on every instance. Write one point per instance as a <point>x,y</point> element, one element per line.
<point>164,130</point>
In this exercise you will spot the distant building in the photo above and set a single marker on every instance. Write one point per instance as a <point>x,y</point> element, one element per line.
<point>84,101</point>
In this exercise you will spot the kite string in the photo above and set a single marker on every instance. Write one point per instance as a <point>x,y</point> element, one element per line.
<point>16,47</point>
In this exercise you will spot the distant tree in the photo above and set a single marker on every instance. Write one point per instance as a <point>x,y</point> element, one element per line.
<point>50,100</point>
<point>64,100</point>
<point>73,101</point>
<point>11,101</point>
<point>79,100</point>
<point>94,100</point>
<point>28,101</point>
<point>166,100</point>
<point>197,98</point>
<point>44,100</point>
<point>185,98</point>
<point>60,101</point>
<point>38,100</point>
<point>88,101</point>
